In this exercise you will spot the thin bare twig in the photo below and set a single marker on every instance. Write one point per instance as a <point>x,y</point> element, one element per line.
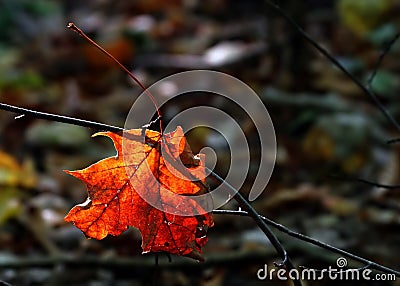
<point>375,71</point>
<point>313,241</point>
<point>251,212</point>
<point>364,181</point>
<point>60,118</point>
<point>380,59</point>
<point>335,62</point>
<point>393,141</point>
<point>378,185</point>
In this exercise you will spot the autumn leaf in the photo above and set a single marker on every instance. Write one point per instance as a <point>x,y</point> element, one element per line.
<point>143,186</point>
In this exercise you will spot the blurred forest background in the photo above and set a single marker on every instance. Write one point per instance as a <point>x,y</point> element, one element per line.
<point>328,132</point>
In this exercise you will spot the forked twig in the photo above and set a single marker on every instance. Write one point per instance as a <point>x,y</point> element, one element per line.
<point>335,62</point>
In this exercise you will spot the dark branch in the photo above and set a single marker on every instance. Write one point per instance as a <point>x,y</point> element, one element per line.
<point>335,62</point>
<point>378,185</point>
<point>60,118</point>
<point>393,141</point>
<point>250,211</point>
<point>364,181</point>
<point>313,241</point>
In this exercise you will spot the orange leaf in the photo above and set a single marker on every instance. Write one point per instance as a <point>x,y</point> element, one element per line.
<point>144,187</point>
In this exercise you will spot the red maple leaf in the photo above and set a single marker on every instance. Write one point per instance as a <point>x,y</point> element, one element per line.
<point>143,187</point>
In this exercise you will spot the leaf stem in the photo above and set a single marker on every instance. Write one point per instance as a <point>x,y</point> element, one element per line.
<point>77,30</point>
